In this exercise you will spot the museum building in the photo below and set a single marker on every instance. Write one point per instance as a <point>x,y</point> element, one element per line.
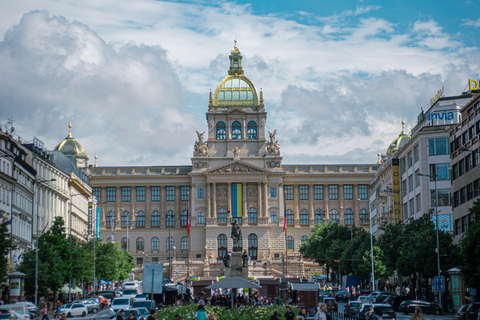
<point>236,172</point>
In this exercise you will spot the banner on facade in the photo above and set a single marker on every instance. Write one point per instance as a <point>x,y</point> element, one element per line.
<point>90,217</point>
<point>237,200</point>
<point>97,223</point>
<point>445,222</point>
<point>396,189</point>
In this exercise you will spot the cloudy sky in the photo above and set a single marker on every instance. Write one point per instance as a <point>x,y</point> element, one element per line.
<point>133,76</point>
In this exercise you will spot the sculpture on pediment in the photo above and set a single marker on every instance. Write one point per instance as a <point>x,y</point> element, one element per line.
<point>251,191</point>
<point>236,234</point>
<point>200,145</point>
<point>236,152</point>
<point>235,167</point>
<point>273,147</point>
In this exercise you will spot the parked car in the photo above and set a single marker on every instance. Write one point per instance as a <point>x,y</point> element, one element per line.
<point>462,312</point>
<point>12,315</point>
<point>330,301</point>
<point>329,293</point>
<point>121,303</point>
<point>387,310</point>
<point>362,311</point>
<point>352,307</point>
<point>342,296</point>
<point>472,310</point>
<point>74,309</point>
<point>22,307</point>
<point>148,304</point>
<point>92,305</point>
<point>397,300</point>
<point>141,297</point>
<point>364,299</point>
<point>408,306</point>
<point>103,301</point>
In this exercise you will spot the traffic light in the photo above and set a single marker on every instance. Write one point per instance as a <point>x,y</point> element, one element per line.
<point>186,280</point>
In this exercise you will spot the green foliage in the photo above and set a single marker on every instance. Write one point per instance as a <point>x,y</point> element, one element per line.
<point>112,262</point>
<point>470,265</point>
<point>187,312</point>
<point>6,245</point>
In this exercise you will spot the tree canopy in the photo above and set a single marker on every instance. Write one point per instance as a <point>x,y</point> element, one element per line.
<point>470,265</point>
<point>6,245</point>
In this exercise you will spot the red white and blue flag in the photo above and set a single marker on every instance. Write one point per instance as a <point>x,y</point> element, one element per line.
<point>285,217</point>
<point>188,219</point>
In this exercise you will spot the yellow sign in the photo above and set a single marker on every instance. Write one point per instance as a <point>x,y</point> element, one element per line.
<point>396,189</point>
<point>436,97</point>
<point>473,84</point>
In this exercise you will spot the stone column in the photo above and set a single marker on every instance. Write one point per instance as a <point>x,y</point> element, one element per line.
<point>178,197</point>
<point>244,199</point>
<point>356,209</point>
<point>259,193</point>
<point>265,199</point>
<point>341,209</point>
<point>295,201</point>
<point>163,199</point>
<point>311,196</point>
<point>207,201</point>
<point>214,204</point>
<point>229,206</point>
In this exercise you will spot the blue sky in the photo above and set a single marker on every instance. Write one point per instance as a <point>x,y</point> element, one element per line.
<point>133,76</point>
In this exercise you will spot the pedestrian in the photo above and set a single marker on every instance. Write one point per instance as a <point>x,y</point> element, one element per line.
<point>57,310</point>
<point>418,314</point>
<point>321,314</point>
<point>152,315</point>
<point>211,316</point>
<point>311,311</point>
<point>45,312</point>
<point>201,314</point>
<point>131,316</point>
<point>377,314</point>
<point>275,316</point>
<point>121,314</point>
<point>302,315</point>
<point>289,315</point>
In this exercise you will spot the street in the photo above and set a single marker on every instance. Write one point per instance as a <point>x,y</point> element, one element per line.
<point>102,314</point>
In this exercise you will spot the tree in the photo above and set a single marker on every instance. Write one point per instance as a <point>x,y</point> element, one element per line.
<point>6,245</point>
<point>470,252</point>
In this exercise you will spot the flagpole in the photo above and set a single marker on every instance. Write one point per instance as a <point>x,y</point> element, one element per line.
<point>285,229</point>
<point>188,234</point>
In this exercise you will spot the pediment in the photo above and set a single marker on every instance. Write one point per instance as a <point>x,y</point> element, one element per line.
<point>236,167</point>
<point>236,110</point>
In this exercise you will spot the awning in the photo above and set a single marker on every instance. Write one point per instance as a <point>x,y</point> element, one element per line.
<point>305,286</point>
<point>65,289</point>
<point>233,283</point>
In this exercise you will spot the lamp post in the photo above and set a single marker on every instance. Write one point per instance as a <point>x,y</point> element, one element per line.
<point>436,231</point>
<point>169,247</point>
<point>36,242</point>
<point>371,246</point>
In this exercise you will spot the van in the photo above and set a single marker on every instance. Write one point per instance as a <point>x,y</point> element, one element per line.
<point>120,303</point>
<point>131,285</point>
<point>19,307</point>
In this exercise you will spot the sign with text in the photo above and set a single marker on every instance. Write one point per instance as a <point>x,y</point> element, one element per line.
<point>445,222</point>
<point>396,189</point>
<point>90,217</point>
<point>97,223</point>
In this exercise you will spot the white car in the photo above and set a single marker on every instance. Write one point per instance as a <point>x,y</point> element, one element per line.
<point>141,297</point>
<point>120,303</point>
<point>74,309</point>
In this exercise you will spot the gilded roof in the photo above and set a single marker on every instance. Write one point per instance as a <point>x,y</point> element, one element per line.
<point>399,142</point>
<point>69,146</point>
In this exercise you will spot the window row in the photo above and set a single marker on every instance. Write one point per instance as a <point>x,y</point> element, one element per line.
<point>155,218</point>
<point>467,193</point>
<point>319,216</point>
<point>303,192</point>
<point>470,161</point>
<point>465,137</point>
<point>140,194</point>
<point>236,130</point>
<point>463,223</point>
<point>155,244</point>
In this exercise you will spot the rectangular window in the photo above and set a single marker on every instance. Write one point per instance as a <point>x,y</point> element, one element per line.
<point>465,137</point>
<point>455,171</point>
<point>333,192</point>
<point>440,170</point>
<point>468,162</point>
<point>111,194</point>
<point>418,203</point>
<point>303,192</point>
<point>170,193</point>
<point>470,191</point>
<point>318,192</point>
<point>200,193</point>
<point>464,224</point>
<point>404,187</point>
<point>273,192</point>
<point>461,167</point>
<point>456,199</point>
<point>126,194</point>
<point>443,197</point>
<point>410,183</point>
<point>403,167</point>
<point>288,192</point>
<point>139,260</point>
<point>415,154</point>
<point>273,216</point>
<point>438,146</point>
<point>348,192</point>
<point>140,193</point>
<point>363,191</point>
<point>410,207</point>
<point>154,260</point>
<point>476,188</point>
<point>475,158</point>
<point>184,193</point>
<point>410,159</point>
<point>97,192</point>
<point>201,217</point>
<point>471,132</point>
<point>155,193</point>
<point>417,178</point>
<point>457,227</point>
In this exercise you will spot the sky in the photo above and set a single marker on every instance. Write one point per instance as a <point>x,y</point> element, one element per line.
<point>133,76</point>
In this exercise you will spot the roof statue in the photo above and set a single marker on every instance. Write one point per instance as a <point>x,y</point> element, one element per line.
<point>273,147</point>
<point>200,145</point>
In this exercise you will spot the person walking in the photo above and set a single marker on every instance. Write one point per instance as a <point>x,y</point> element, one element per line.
<point>57,310</point>
<point>120,315</point>
<point>45,312</point>
<point>321,314</point>
<point>131,316</point>
<point>201,314</point>
<point>418,314</point>
<point>151,316</point>
<point>275,316</point>
<point>289,315</point>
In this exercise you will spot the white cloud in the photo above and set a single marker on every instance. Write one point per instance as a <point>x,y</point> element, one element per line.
<point>471,23</point>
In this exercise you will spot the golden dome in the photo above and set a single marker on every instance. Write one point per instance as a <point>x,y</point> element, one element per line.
<point>71,147</point>
<point>400,141</point>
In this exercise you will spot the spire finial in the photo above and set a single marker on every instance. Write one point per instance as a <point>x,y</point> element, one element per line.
<point>235,41</point>
<point>403,126</point>
<point>261,96</point>
<point>210,100</point>
<point>378,156</point>
<point>96,157</point>
<point>69,129</point>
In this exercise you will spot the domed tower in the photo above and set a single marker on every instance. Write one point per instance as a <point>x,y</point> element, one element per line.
<point>73,149</point>
<point>400,141</point>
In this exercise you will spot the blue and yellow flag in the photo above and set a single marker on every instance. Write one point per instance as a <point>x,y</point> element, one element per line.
<point>237,200</point>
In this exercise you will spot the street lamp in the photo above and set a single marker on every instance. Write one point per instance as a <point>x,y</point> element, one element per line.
<point>36,244</point>
<point>436,230</point>
<point>371,246</point>
<point>169,245</point>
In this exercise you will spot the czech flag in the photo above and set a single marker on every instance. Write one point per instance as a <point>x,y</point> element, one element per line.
<point>188,222</point>
<point>285,218</point>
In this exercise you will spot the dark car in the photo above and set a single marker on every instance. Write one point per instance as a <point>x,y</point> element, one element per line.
<point>330,301</point>
<point>462,312</point>
<point>352,307</point>
<point>472,310</point>
<point>362,311</point>
<point>329,293</point>
<point>408,306</point>
<point>342,296</point>
<point>387,310</point>
<point>397,300</point>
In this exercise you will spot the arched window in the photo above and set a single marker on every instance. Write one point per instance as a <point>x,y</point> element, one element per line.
<point>155,218</point>
<point>304,217</point>
<point>124,244</point>
<point>290,217</point>
<point>141,218</point>
<point>185,243</point>
<point>252,215</point>
<point>155,244</point>
<point>252,130</point>
<point>183,218</point>
<point>290,242</point>
<point>222,216</point>
<point>140,244</point>
<point>110,218</point>
<point>363,216</point>
<point>236,130</point>
<point>221,130</point>
<point>348,216</point>
<point>252,246</point>
<point>170,217</point>
<point>170,243</point>
<point>222,245</point>
<point>319,216</point>
<point>125,218</point>
<point>303,239</point>
<point>333,216</point>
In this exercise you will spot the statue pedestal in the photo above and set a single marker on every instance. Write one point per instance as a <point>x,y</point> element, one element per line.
<point>236,268</point>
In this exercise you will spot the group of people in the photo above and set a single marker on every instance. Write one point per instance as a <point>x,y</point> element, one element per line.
<point>240,300</point>
<point>132,316</point>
